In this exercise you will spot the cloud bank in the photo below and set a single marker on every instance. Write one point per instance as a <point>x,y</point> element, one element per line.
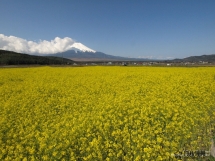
<point>17,44</point>
<point>156,57</point>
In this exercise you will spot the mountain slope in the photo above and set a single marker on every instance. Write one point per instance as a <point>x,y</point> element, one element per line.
<point>205,58</point>
<point>208,58</point>
<point>91,56</point>
<point>13,58</point>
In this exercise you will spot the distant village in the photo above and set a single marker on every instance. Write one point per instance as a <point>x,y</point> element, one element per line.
<point>145,63</point>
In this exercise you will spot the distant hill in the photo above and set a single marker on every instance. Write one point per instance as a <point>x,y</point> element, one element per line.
<point>13,58</point>
<point>205,58</point>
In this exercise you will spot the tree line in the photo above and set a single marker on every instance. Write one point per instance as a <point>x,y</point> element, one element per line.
<point>13,58</point>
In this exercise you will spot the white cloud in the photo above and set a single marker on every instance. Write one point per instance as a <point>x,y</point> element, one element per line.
<point>17,44</point>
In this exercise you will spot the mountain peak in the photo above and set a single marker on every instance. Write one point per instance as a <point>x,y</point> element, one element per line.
<point>80,47</point>
<point>56,45</point>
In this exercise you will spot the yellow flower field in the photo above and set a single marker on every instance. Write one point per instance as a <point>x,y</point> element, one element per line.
<point>105,113</point>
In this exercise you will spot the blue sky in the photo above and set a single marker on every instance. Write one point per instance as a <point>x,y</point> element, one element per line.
<point>138,28</point>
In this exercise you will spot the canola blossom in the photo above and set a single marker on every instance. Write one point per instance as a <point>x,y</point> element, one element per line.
<point>105,113</point>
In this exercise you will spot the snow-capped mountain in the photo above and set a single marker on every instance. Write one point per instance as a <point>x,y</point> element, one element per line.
<point>80,47</point>
<point>17,44</point>
<point>88,56</point>
<point>58,47</point>
<point>79,52</point>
